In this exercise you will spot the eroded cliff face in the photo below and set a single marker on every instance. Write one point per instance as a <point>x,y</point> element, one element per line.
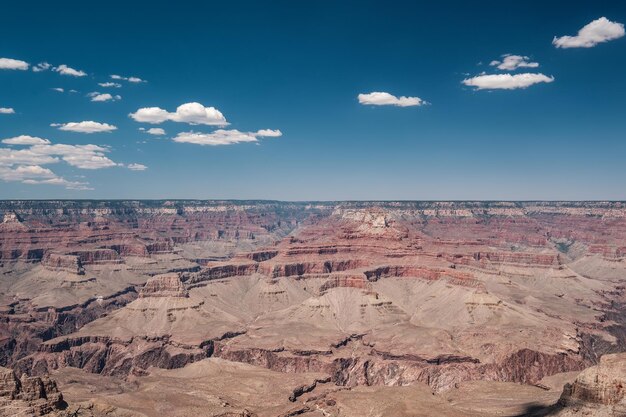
<point>28,396</point>
<point>599,390</point>
<point>368,294</point>
<point>164,285</point>
<point>68,263</point>
<point>102,231</point>
<point>25,327</point>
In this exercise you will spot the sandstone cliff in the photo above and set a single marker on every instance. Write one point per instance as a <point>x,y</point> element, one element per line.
<point>28,396</point>
<point>598,391</point>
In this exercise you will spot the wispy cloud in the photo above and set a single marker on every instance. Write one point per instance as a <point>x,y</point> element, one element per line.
<point>87,126</point>
<point>506,81</point>
<point>96,96</point>
<point>156,131</point>
<point>25,164</point>
<point>224,137</point>
<point>35,174</point>
<point>7,110</point>
<point>192,113</point>
<point>511,62</point>
<point>129,79</point>
<point>42,66</point>
<point>269,133</point>
<point>25,140</point>
<point>70,185</point>
<point>65,70</point>
<point>599,31</point>
<point>379,98</point>
<point>13,64</point>
<point>80,156</point>
<point>110,85</point>
<point>137,167</point>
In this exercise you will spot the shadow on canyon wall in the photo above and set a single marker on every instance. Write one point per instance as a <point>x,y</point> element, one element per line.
<point>536,410</point>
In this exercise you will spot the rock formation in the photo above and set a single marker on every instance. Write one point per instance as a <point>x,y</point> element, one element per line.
<point>63,262</point>
<point>599,390</point>
<point>436,294</point>
<point>28,396</point>
<point>165,285</point>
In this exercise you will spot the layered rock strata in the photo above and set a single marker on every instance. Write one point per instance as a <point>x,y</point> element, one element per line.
<point>28,396</point>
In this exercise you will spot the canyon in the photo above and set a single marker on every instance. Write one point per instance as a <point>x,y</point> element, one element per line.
<point>266,308</point>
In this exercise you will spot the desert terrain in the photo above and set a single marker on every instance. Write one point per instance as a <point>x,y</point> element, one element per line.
<point>262,308</point>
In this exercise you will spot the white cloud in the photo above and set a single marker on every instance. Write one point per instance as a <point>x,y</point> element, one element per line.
<point>219,137</point>
<point>35,174</point>
<point>65,70</point>
<point>7,110</point>
<point>42,66</point>
<point>512,62</point>
<point>10,157</point>
<point>13,64</point>
<point>157,131</point>
<point>70,185</point>
<point>192,113</point>
<point>25,140</point>
<point>506,81</point>
<point>152,115</point>
<point>223,137</point>
<point>24,165</point>
<point>96,96</point>
<point>137,167</point>
<point>378,98</point>
<point>25,172</point>
<point>599,31</point>
<point>269,133</point>
<point>110,85</point>
<point>85,127</point>
<point>129,79</point>
<point>59,89</point>
<point>81,156</point>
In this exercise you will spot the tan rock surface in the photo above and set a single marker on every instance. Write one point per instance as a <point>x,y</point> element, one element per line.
<point>378,299</point>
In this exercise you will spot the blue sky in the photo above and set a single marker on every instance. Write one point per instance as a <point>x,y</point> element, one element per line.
<point>296,69</point>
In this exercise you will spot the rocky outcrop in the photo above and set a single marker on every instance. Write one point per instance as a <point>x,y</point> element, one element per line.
<point>529,366</point>
<point>109,356</point>
<point>164,246</point>
<point>346,281</point>
<point>599,390</point>
<point>24,328</point>
<point>261,256</point>
<point>518,258</point>
<point>28,396</point>
<point>440,372</point>
<point>97,256</point>
<point>140,248</point>
<point>129,249</point>
<point>11,221</point>
<point>277,269</point>
<point>222,271</point>
<point>165,285</point>
<point>431,274</point>
<point>63,262</point>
